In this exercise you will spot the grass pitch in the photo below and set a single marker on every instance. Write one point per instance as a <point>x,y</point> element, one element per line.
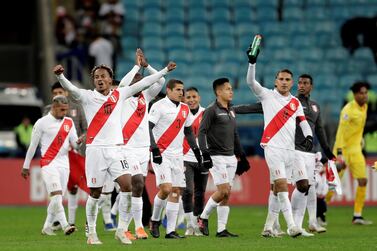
<point>21,226</point>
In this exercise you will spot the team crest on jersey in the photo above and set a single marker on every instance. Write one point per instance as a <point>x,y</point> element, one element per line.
<point>315,108</point>
<point>66,128</point>
<point>142,101</point>
<point>113,98</point>
<point>345,116</point>
<point>292,106</point>
<point>184,114</point>
<point>232,113</point>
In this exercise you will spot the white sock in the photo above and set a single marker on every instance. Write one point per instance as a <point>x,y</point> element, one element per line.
<point>124,210</point>
<point>91,213</point>
<point>172,209</point>
<point>273,211</point>
<point>59,210</point>
<point>181,212</point>
<point>137,211</point>
<point>211,204</point>
<point>299,201</point>
<point>311,205</point>
<point>50,214</point>
<point>114,209</point>
<point>105,205</point>
<point>286,208</point>
<point>72,207</point>
<point>158,206</point>
<point>222,217</point>
<point>189,219</point>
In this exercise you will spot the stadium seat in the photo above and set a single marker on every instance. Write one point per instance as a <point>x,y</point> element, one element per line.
<point>271,28</point>
<point>175,42</point>
<point>152,15</point>
<point>152,43</point>
<point>199,43</point>
<point>179,54</point>
<point>203,55</point>
<point>276,42</point>
<point>224,42</point>
<point>151,29</point>
<point>336,53</point>
<point>266,3</point>
<point>220,14</point>
<point>198,29</point>
<point>267,13</point>
<point>372,79</point>
<point>247,29</point>
<point>223,28</point>
<point>174,15</point>
<point>197,15</point>
<point>244,15</point>
<point>146,4</point>
<point>173,3</point>
<point>174,29</point>
<point>292,13</point>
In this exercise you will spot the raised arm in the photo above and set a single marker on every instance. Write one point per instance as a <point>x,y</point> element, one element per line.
<point>255,87</point>
<point>67,85</point>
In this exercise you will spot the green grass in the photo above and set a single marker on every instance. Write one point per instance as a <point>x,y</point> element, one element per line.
<point>20,230</point>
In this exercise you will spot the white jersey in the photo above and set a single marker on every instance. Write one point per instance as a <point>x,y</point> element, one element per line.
<point>189,155</point>
<point>44,132</point>
<point>136,132</point>
<point>280,114</point>
<point>109,130</point>
<point>170,121</point>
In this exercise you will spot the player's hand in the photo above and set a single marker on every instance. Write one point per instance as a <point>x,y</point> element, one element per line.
<point>339,161</point>
<point>81,139</point>
<point>58,69</point>
<point>243,165</point>
<point>252,59</point>
<point>171,66</point>
<point>143,60</point>
<point>308,143</point>
<point>207,161</point>
<point>25,173</point>
<point>156,155</point>
<point>198,156</point>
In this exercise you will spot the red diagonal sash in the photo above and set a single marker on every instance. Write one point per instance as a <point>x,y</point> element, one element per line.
<point>134,121</point>
<point>195,128</point>
<point>101,116</point>
<point>57,143</point>
<point>279,120</point>
<point>169,135</point>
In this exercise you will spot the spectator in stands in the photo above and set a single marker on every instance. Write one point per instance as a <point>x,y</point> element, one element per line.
<point>112,13</point>
<point>86,19</point>
<point>65,28</point>
<point>23,136</point>
<point>101,50</point>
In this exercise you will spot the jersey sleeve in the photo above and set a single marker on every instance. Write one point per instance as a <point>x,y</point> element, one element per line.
<point>154,114</point>
<point>35,139</point>
<point>127,79</point>
<point>254,85</point>
<point>77,93</point>
<point>205,124</point>
<point>305,127</point>
<point>190,119</point>
<point>73,136</point>
<point>344,128</point>
<point>155,89</point>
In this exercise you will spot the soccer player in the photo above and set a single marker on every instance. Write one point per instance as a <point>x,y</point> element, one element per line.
<point>169,121</point>
<point>280,111</point>
<point>196,175</point>
<point>55,133</point>
<point>348,144</point>
<point>77,114</point>
<point>308,200</point>
<point>136,138</point>
<point>219,143</point>
<point>102,108</point>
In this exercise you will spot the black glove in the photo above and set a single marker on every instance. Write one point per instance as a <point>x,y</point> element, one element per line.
<point>308,143</point>
<point>252,59</point>
<point>207,161</point>
<point>243,165</point>
<point>156,155</point>
<point>198,156</point>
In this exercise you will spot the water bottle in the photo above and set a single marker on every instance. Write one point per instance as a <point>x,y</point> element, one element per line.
<point>255,45</point>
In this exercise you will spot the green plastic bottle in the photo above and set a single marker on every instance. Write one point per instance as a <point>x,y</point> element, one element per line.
<point>255,45</point>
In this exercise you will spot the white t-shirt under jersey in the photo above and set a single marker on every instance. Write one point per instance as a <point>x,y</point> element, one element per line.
<point>44,132</point>
<point>163,113</point>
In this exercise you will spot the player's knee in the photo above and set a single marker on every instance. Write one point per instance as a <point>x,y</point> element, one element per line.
<point>224,194</point>
<point>362,182</point>
<point>95,192</point>
<point>165,190</point>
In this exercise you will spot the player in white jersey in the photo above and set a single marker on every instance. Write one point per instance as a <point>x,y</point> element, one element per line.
<point>102,109</point>
<point>196,176</point>
<point>169,122</point>
<point>136,139</point>
<point>55,133</point>
<point>280,111</point>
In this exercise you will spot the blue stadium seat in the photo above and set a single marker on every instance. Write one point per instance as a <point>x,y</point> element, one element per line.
<point>197,15</point>
<point>151,4</point>
<point>364,54</point>
<point>174,29</point>
<point>276,42</point>
<point>152,43</point>
<point>372,79</point>
<point>266,13</point>
<point>244,4</point>
<point>302,41</point>
<point>266,3</point>
<point>223,28</point>
<point>199,43</point>
<point>271,28</point>
<point>328,81</point>
<point>317,13</point>
<point>198,29</point>
<point>175,42</point>
<point>131,6</point>
<point>180,54</point>
<point>151,29</point>
<point>247,29</point>
<point>224,42</point>
<point>203,55</point>
<point>312,54</point>
<point>129,42</point>
<point>341,12</point>
<point>218,3</point>
<point>132,16</point>
<point>347,80</point>
<point>220,14</point>
<point>227,69</point>
<point>173,3</point>
<point>174,15</point>
<point>244,15</point>
<point>152,15</point>
<point>293,13</point>
<point>201,69</point>
<point>131,28</point>
<point>336,53</point>
<point>228,55</point>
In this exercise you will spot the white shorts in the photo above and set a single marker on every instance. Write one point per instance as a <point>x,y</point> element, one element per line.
<point>101,161</point>
<point>109,184</point>
<point>224,169</point>
<point>55,178</point>
<point>306,161</point>
<point>138,158</point>
<point>279,161</point>
<point>170,171</point>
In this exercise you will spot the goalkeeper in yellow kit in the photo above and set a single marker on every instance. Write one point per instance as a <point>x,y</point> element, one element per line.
<point>348,145</point>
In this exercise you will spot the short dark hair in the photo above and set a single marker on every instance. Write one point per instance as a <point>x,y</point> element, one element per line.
<point>60,100</point>
<point>192,88</point>
<point>56,85</point>
<point>172,83</point>
<point>356,87</point>
<point>283,70</point>
<point>305,75</point>
<point>102,66</point>
<point>219,82</point>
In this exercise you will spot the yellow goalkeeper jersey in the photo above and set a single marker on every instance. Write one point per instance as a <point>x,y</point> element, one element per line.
<point>351,127</point>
